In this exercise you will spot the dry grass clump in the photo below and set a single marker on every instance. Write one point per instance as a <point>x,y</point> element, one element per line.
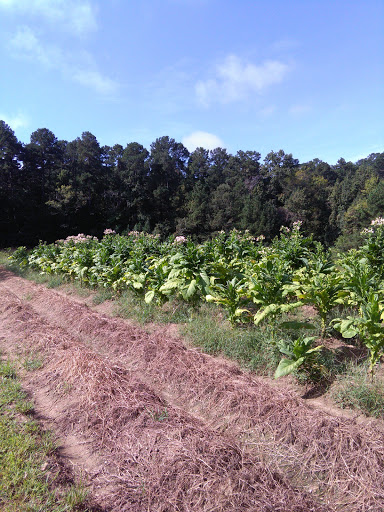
<point>164,459</point>
<point>156,457</point>
<point>335,458</point>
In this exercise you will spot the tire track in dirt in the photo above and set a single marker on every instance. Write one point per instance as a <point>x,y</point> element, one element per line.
<point>334,457</point>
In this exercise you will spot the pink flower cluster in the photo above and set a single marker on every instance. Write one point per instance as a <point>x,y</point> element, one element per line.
<point>81,237</point>
<point>180,240</point>
<point>295,227</point>
<point>379,221</point>
<point>109,232</point>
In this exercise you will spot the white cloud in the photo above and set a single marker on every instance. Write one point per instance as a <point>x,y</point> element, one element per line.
<point>202,139</point>
<point>15,121</point>
<point>95,80</point>
<point>25,44</point>
<point>236,80</point>
<point>77,16</point>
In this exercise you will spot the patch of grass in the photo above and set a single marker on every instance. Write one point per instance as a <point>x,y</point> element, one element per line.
<point>76,496</point>
<point>158,415</point>
<point>4,255</point>
<point>252,347</point>
<point>48,280</point>
<point>26,483</point>
<point>131,306</point>
<point>32,362</point>
<point>102,295</point>
<point>55,281</point>
<point>7,370</point>
<point>355,390</point>
<point>79,289</point>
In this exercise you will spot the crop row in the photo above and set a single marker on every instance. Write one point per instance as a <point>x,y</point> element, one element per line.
<point>251,281</point>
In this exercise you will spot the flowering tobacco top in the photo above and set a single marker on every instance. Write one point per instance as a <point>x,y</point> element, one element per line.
<point>180,240</point>
<point>81,237</point>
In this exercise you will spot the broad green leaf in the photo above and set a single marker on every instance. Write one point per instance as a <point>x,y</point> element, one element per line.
<point>287,366</point>
<point>191,289</point>
<point>175,272</point>
<point>240,311</point>
<point>211,298</point>
<point>175,257</point>
<point>314,349</point>
<point>274,309</point>
<point>285,308</point>
<point>169,285</point>
<point>347,327</point>
<point>205,278</point>
<point>263,313</point>
<point>149,296</point>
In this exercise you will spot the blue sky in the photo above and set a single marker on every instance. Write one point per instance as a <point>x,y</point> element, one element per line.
<point>303,76</point>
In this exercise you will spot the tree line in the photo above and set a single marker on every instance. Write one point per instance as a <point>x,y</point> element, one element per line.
<point>51,188</point>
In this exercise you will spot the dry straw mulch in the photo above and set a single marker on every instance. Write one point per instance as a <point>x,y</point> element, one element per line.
<point>222,440</point>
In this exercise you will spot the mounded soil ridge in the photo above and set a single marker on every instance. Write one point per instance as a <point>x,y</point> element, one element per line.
<point>154,425</point>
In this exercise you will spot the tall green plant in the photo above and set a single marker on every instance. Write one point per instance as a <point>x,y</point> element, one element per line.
<point>374,244</point>
<point>298,353</point>
<point>359,278</point>
<point>323,291</point>
<point>369,327</point>
<point>233,296</point>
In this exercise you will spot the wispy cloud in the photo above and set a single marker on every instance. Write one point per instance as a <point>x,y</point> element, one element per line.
<point>204,140</point>
<point>235,80</point>
<point>16,121</point>
<point>95,80</point>
<point>76,16</point>
<point>26,45</point>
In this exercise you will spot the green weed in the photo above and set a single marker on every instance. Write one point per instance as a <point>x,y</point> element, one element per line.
<point>158,415</point>
<point>32,362</point>
<point>26,484</point>
<point>131,306</point>
<point>76,496</point>
<point>102,295</point>
<point>254,348</point>
<point>7,370</point>
<point>356,390</point>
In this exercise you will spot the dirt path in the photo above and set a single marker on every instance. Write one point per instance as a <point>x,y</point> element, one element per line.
<point>155,426</point>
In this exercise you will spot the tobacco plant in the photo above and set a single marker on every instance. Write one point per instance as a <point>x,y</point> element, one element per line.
<point>324,291</point>
<point>369,326</point>
<point>233,296</point>
<point>299,353</point>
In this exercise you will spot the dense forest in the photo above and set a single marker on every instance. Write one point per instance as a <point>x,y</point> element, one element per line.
<point>52,188</point>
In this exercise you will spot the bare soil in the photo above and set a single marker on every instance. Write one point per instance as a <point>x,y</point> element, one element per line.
<point>151,424</point>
